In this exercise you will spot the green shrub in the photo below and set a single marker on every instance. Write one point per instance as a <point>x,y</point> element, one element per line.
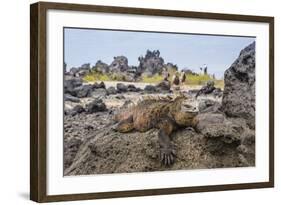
<point>202,80</point>
<point>96,76</point>
<point>197,79</point>
<point>152,79</point>
<point>190,79</point>
<point>117,77</point>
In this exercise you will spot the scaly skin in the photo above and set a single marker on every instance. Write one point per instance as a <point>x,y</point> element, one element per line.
<point>165,115</point>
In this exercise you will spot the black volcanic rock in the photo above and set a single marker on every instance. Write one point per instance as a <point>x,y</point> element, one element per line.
<point>239,90</point>
<point>96,105</point>
<point>101,67</point>
<point>151,63</point>
<point>119,64</point>
<point>70,83</point>
<point>121,87</point>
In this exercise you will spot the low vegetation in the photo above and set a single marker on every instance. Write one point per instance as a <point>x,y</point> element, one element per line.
<point>152,79</point>
<point>96,76</point>
<point>200,79</point>
<point>190,79</point>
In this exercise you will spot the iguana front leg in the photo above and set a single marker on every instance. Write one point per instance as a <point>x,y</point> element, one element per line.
<point>167,151</point>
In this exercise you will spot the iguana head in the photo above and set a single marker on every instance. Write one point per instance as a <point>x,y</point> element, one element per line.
<point>184,112</point>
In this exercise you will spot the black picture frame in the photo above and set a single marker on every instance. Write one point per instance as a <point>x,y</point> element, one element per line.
<point>38,102</point>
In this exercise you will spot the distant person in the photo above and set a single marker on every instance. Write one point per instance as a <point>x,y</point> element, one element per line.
<point>205,69</point>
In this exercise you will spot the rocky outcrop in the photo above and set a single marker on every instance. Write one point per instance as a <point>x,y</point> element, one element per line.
<point>119,64</point>
<point>81,71</point>
<point>239,90</point>
<point>121,71</point>
<point>112,152</point>
<point>151,63</point>
<point>101,67</point>
<point>224,133</point>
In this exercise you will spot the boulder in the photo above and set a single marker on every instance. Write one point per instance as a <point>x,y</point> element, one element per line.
<point>150,88</point>
<point>111,90</point>
<point>215,125</point>
<point>97,85</point>
<point>121,87</point>
<point>70,83</point>
<point>68,97</point>
<point>82,91</point>
<point>239,86</point>
<point>99,93</point>
<point>132,88</point>
<point>96,105</point>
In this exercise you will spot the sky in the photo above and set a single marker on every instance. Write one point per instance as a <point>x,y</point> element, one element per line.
<point>185,50</point>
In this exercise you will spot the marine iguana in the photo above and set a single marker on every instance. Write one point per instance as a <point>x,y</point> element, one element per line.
<point>206,89</point>
<point>163,114</point>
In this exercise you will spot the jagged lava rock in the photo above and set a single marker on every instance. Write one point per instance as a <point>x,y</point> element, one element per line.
<point>121,87</point>
<point>101,67</point>
<point>151,64</point>
<point>96,105</point>
<point>70,83</point>
<point>239,90</point>
<point>119,64</point>
<point>112,152</point>
<point>111,90</point>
